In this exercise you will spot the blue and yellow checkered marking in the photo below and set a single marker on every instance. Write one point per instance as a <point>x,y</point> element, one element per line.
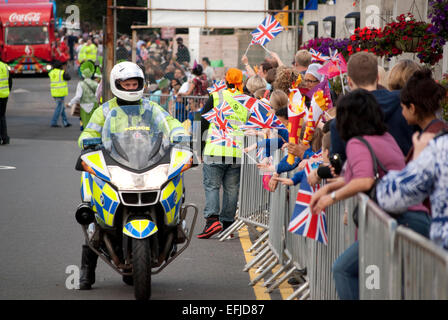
<point>171,199</point>
<point>105,200</point>
<point>140,229</point>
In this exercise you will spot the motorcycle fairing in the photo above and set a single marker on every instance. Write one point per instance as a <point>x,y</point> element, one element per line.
<point>140,228</point>
<point>179,159</point>
<point>86,193</point>
<point>170,199</point>
<point>105,200</point>
<point>95,160</point>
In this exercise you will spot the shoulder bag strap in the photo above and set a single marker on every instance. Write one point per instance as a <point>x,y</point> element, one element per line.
<point>376,162</point>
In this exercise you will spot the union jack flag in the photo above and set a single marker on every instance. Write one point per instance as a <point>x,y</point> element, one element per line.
<point>226,109</point>
<point>317,56</point>
<point>217,86</point>
<point>216,116</point>
<point>220,137</point>
<point>247,101</point>
<point>303,222</point>
<point>266,31</point>
<point>261,117</point>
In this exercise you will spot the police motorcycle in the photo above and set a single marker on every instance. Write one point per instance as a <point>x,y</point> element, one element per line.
<point>133,213</point>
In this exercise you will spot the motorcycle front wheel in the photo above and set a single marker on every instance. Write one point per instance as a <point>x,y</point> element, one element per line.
<point>141,263</point>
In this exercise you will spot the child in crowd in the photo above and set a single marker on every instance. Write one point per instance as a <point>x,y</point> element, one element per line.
<point>319,142</point>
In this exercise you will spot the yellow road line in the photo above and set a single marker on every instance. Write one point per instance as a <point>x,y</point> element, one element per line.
<point>260,292</point>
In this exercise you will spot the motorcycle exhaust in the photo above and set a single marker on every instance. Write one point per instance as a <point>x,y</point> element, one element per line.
<point>84,214</point>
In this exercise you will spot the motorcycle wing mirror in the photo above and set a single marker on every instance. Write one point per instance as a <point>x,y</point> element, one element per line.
<point>91,143</point>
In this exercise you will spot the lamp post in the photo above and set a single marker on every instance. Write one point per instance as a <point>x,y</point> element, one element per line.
<point>312,28</point>
<point>329,24</point>
<point>352,21</point>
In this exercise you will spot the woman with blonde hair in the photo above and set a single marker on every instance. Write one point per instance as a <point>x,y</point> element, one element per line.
<point>254,83</point>
<point>401,72</point>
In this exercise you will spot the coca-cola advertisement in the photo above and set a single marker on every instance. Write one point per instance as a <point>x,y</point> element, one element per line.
<point>26,17</point>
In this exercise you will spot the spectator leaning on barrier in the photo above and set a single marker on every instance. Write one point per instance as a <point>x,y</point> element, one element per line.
<point>362,72</point>
<point>420,101</point>
<point>222,163</point>
<point>359,115</point>
<point>426,175</point>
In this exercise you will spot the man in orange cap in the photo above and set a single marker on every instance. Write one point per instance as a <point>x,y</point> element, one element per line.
<point>222,161</point>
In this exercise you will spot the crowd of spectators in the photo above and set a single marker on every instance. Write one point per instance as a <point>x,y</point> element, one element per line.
<point>397,111</point>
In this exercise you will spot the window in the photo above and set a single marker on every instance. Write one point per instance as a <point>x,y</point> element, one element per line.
<point>26,35</point>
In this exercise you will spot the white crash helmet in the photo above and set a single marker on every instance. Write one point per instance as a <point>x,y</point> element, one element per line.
<point>124,71</point>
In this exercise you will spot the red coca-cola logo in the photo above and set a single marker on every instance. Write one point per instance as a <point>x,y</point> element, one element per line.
<point>27,17</point>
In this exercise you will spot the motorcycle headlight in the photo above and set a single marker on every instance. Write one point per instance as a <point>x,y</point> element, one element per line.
<point>125,180</point>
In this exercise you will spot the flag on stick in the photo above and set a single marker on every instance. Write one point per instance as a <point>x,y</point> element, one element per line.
<point>303,222</point>
<point>267,30</point>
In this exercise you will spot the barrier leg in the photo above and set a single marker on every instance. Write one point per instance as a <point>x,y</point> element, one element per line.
<point>281,280</point>
<point>255,260</point>
<point>265,272</point>
<point>305,295</point>
<point>235,225</point>
<point>259,240</point>
<point>262,247</point>
<point>277,273</point>
<point>298,291</point>
<point>265,262</point>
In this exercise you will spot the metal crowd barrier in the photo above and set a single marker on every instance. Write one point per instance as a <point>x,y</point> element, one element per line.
<point>377,231</point>
<point>422,267</point>
<point>180,107</point>
<point>394,261</point>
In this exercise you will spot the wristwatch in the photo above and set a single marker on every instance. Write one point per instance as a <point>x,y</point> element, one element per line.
<point>333,195</point>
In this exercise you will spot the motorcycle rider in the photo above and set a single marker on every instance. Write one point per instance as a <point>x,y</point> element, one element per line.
<point>127,85</point>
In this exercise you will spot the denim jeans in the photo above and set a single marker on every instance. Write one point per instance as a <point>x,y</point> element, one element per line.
<point>215,175</point>
<point>346,273</point>
<point>345,268</point>
<point>59,111</point>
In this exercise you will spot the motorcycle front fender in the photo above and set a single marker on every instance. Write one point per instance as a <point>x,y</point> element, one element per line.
<point>139,228</point>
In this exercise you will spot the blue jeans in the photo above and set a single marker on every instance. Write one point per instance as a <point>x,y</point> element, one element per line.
<point>215,175</point>
<point>59,111</point>
<point>346,273</point>
<point>345,268</point>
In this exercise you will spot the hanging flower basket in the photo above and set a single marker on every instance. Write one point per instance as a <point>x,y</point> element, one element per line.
<point>409,44</point>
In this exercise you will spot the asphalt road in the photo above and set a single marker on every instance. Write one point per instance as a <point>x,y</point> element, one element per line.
<point>40,238</point>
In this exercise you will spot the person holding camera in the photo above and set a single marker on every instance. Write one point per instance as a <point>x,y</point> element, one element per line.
<point>359,115</point>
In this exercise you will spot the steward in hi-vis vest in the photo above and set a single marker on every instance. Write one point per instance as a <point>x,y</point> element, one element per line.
<point>5,88</point>
<point>59,90</point>
<point>222,158</point>
<point>58,85</point>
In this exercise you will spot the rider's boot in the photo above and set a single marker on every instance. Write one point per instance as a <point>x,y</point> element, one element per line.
<point>88,265</point>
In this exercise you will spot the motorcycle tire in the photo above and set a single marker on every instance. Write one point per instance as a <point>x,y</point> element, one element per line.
<point>129,280</point>
<point>141,262</point>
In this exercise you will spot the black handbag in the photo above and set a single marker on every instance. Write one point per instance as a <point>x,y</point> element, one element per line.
<point>372,192</point>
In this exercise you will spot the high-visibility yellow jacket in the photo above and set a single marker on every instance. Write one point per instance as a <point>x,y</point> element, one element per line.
<point>95,126</point>
<point>4,80</point>
<point>58,85</point>
<point>88,52</point>
<point>237,119</point>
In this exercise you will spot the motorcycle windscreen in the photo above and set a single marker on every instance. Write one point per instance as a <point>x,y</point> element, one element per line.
<point>136,136</point>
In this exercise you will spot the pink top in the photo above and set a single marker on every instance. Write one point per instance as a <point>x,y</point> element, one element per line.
<point>359,162</point>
